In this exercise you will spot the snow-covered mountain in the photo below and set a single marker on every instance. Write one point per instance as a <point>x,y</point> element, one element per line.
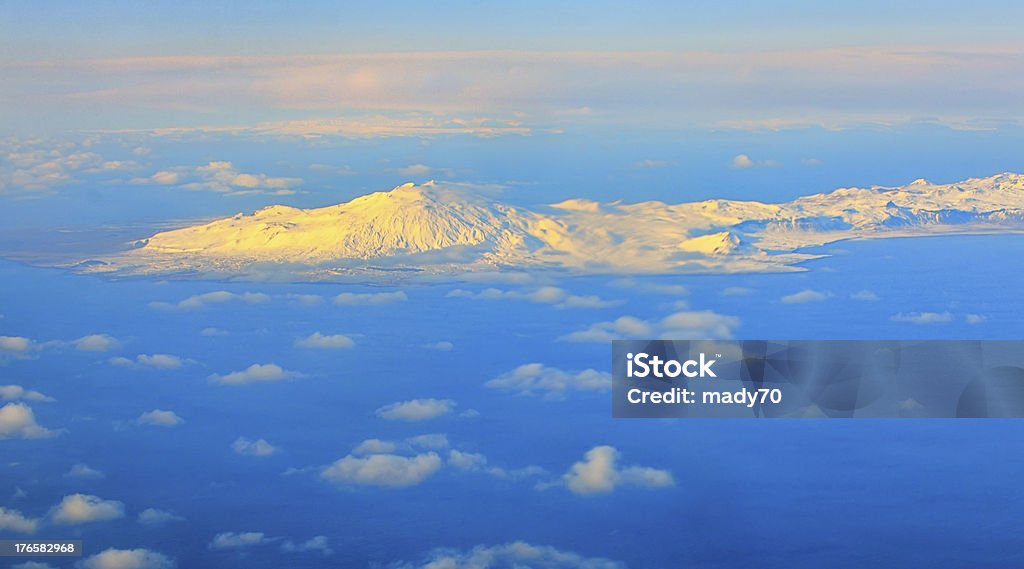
<point>449,228</point>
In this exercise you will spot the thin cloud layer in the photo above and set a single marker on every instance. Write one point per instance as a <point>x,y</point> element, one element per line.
<point>679,325</point>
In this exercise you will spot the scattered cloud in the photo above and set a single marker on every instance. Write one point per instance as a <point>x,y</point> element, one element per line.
<point>96,343</point>
<point>532,378</point>
<point>415,170</point>
<point>154,517</point>
<point>598,473</point>
<point>388,470</point>
<point>654,164</point>
<point>736,291</point>
<point>17,421</point>
<point>370,298</point>
<point>306,299</point>
<point>160,418</point>
<point>806,295</point>
<point>212,332</point>
<point>865,296</point>
<point>211,298</point>
<point>743,162</point>
<point>811,162</point>
<point>84,472</point>
<point>85,508</point>
<point>158,361</point>
<point>259,447</point>
<point>416,409</point>
<point>646,285</point>
<point>256,373</point>
<point>515,555</point>
<point>128,559</point>
<point>221,177</point>
<point>318,544</point>
<point>922,317</point>
<point>442,346</point>
<point>17,392</point>
<point>558,297</point>
<point>320,341</point>
<point>411,445</point>
<point>16,344</point>
<point>15,521</point>
<point>233,540</point>
<point>684,324</point>
<point>975,318</point>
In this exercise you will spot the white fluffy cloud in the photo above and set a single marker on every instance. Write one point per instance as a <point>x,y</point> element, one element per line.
<point>210,298</point>
<point>742,162</point>
<point>17,392</point>
<point>153,517</point>
<point>922,317</point>
<point>15,521</point>
<point>222,177</point>
<point>85,508</point>
<point>328,342</point>
<point>158,361</point>
<point>314,544</point>
<point>17,421</point>
<point>256,373</point>
<point>806,295</point>
<point>516,555</point>
<point>534,377</point>
<point>160,418</point>
<point>128,559</point>
<point>15,344</point>
<point>416,409</point>
<point>259,447</point>
<point>555,296</point>
<point>598,473</point>
<point>96,343</point>
<point>704,324</point>
<point>388,470</point>
<point>369,298</point>
<point>84,472</point>
<point>233,540</point>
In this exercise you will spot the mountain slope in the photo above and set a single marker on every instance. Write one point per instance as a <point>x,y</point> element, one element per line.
<point>446,228</point>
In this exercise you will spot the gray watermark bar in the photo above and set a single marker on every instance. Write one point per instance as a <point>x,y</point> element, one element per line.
<point>36,548</point>
<point>818,378</point>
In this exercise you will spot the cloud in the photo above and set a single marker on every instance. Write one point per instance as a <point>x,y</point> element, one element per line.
<point>128,559</point>
<point>215,297</point>
<point>865,296</point>
<point>96,343</point>
<point>306,299</point>
<point>211,332</point>
<point>975,318</point>
<point>154,517</point>
<point>371,298</point>
<point>515,555</point>
<point>415,170</point>
<point>703,324</point>
<point>314,544</point>
<point>529,379</point>
<point>558,297</point>
<point>806,295</point>
<point>246,447</point>
<point>158,361</point>
<point>85,508</point>
<point>742,162</point>
<point>442,346</point>
<point>84,472</point>
<point>387,470</point>
<point>17,421</point>
<point>160,418</point>
<point>736,291</point>
<point>15,521</point>
<point>922,317</point>
<point>318,340</point>
<point>17,392</point>
<point>416,409</point>
<point>598,473</point>
<point>375,446</point>
<point>256,373</point>
<point>232,540</point>
<point>221,177</point>
<point>653,164</point>
<point>16,344</point>
<point>33,565</point>
<point>644,285</point>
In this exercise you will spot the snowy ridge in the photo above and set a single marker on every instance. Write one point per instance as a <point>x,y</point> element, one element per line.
<point>438,228</point>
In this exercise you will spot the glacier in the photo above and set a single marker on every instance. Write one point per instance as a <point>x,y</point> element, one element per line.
<point>448,229</point>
